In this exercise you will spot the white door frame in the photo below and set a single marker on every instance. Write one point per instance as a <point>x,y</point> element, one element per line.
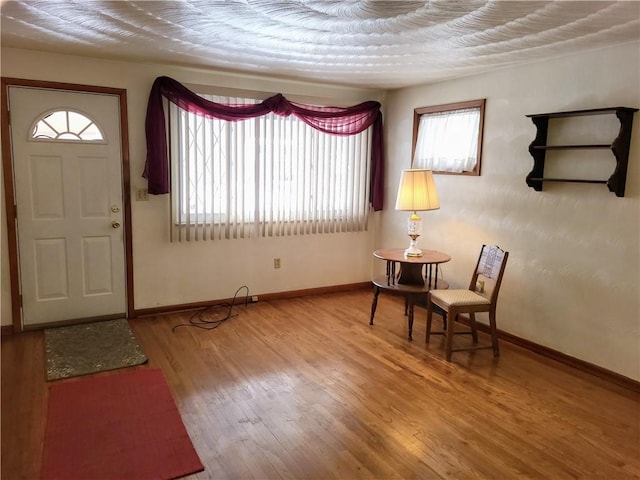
<point>8,176</point>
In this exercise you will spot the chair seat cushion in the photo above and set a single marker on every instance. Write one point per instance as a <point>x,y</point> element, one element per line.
<point>459,297</point>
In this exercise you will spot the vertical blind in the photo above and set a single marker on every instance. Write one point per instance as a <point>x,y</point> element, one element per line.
<point>266,176</point>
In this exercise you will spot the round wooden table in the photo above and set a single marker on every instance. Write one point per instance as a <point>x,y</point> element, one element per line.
<point>411,277</point>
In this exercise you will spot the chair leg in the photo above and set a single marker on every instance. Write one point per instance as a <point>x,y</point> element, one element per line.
<point>494,333</point>
<point>374,305</point>
<point>450,328</point>
<point>429,318</point>
<point>474,327</point>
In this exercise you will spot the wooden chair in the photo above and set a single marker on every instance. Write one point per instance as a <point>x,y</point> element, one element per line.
<point>481,296</point>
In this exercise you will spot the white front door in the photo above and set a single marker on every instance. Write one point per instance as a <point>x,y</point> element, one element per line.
<point>67,162</point>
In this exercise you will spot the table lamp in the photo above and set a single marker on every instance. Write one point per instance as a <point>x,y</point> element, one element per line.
<point>417,191</point>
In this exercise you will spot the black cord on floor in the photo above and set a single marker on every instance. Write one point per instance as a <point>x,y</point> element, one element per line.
<point>215,315</point>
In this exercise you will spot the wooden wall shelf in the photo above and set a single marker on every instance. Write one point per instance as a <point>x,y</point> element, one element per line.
<point>619,147</point>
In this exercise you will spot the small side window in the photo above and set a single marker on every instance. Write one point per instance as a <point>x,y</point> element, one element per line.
<point>66,126</point>
<point>448,138</point>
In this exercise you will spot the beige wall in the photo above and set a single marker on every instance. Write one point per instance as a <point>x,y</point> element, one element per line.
<point>572,283</point>
<point>176,273</point>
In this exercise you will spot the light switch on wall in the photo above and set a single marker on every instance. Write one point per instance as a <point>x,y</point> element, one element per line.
<point>142,195</point>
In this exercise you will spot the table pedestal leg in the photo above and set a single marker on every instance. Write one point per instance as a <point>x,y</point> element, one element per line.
<point>410,317</point>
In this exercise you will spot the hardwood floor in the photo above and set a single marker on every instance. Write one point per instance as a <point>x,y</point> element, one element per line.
<point>304,388</point>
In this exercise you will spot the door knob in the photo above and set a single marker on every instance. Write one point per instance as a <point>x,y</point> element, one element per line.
<point>115,224</point>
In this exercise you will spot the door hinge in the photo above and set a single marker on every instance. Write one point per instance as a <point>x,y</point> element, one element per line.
<point>15,211</point>
<point>20,300</point>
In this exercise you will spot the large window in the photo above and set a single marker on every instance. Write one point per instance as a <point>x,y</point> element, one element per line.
<point>266,176</point>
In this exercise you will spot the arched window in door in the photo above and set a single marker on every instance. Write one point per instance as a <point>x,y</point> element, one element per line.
<point>66,125</point>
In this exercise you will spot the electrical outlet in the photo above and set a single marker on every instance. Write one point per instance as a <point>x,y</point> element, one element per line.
<point>276,262</point>
<point>254,298</point>
<point>142,195</point>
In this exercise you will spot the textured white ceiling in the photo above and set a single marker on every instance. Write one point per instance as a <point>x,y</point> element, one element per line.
<point>369,43</point>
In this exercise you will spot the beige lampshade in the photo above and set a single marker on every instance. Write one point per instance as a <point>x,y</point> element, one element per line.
<point>417,191</point>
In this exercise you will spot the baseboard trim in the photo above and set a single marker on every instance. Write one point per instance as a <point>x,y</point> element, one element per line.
<point>262,297</point>
<point>581,365</point>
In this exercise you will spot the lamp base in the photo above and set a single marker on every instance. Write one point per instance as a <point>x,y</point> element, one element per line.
<point>413,250</point>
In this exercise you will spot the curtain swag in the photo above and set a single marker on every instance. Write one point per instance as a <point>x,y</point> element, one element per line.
<point>333,120</point>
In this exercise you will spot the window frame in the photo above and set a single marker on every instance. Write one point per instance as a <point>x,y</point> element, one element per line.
<point>43,116</point>
<point>218,223</point>
<point>451,107</point>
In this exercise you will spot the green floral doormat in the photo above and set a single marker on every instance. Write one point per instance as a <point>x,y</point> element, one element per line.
<point>91,348</point>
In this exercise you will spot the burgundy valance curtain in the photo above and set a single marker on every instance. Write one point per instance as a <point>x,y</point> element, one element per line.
<point>332,120</point>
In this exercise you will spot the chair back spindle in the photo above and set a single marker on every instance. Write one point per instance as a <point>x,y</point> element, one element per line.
<point>490,266</point>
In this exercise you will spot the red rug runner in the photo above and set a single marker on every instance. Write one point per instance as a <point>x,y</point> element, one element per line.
<point>116,426</point>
